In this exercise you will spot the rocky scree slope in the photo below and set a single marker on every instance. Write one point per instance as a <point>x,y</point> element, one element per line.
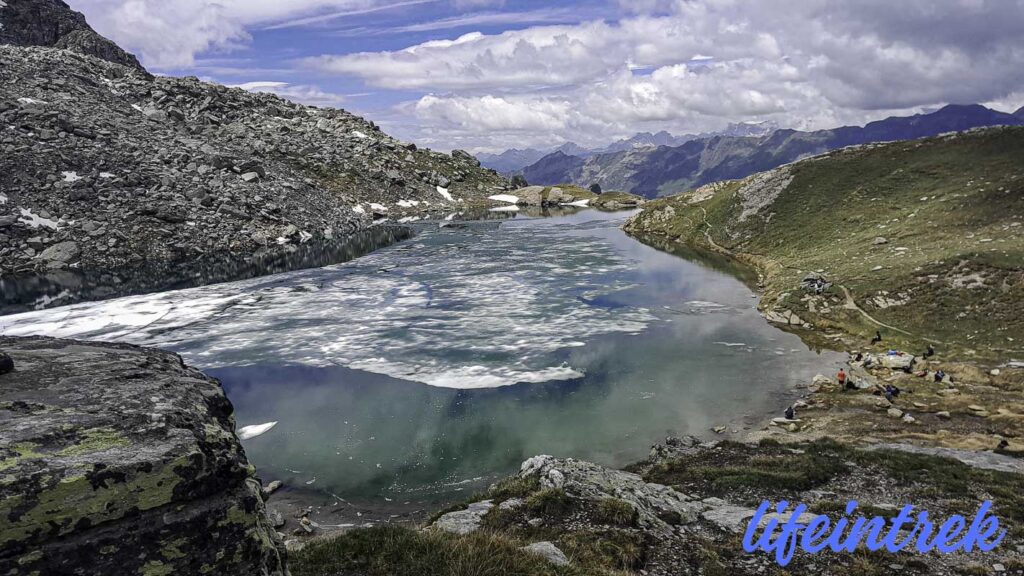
<point>122,460</point>
<point>103,167</point>
<point>665,170</point>
<point>54,23</point>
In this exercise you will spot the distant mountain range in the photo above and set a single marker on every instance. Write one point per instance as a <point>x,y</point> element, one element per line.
<point>514,160</point>
<point>667,169</point>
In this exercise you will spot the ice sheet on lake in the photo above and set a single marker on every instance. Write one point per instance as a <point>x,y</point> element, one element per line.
<point>459,308</point>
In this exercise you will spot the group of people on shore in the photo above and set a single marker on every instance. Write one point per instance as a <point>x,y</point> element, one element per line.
<point>891,392</point>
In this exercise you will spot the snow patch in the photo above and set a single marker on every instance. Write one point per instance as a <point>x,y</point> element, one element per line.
<point>71,176</point>
<point>359,134</point>
<point>32,101</point>
<point>3,198</point>
<point>34,221</point>
<point>408,203</point>
<point>106,175</point>
<point>378,207</point>
<point>444,193</point>
<point>247,432</point>
<point>505,198</point>
<point>359,209</point>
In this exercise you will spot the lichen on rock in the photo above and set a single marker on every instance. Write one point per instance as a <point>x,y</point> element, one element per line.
<point>124,460</point>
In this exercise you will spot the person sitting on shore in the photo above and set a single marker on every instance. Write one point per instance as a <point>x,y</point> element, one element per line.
<point>790,414</point>
<point>891,392</point>
<point>929,352</point>
<point>940,376</point>
<point>877,338</point>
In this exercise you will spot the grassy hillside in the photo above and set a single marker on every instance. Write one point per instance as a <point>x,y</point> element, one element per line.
<point>950,210</point>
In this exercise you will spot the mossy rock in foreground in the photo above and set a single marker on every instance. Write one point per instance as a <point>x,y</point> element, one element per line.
<point>121,460</point>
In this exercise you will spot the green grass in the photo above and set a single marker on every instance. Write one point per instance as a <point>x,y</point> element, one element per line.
<point>770,470</point>
<point>609,549</point>
<point>616,512</point>
<point>835,206</point>
<point>774,471</point>
<point>397,551</point>
<point>549,502</point>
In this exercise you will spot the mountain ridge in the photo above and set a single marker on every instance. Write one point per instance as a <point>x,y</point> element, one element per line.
<point>104,167</point>
<point>513,160</point>
<point>52,23</point>
<point>664,170</point>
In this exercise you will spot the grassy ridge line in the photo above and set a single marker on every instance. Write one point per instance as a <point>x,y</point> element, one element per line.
<point>950,208</point>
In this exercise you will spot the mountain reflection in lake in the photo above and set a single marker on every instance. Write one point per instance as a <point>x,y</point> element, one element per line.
<point>391,376</point>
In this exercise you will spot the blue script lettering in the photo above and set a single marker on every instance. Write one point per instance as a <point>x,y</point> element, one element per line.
<point>784,537</point>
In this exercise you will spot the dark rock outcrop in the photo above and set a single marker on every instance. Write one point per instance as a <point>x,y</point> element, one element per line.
<point>53,23</point>
<point>555,168</point>
<point>121,460</point>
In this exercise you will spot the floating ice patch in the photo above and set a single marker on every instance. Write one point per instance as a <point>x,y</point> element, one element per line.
<point>71,176</point>
<point>445,194</point>
<point>512,208</point>
<point>247,432</point>
<point>472,307</point>
<point>359,134</point>
<point>504,198</point>
<point>580,203</point>
<point>34,221</point>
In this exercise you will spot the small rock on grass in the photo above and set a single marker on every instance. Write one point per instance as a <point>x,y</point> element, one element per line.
<point>549,551</point>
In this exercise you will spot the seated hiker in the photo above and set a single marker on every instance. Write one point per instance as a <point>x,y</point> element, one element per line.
<point>877,338</point>
<point>929,352</point>
<point>940,376</point>
<point>891,392</point>
<point>790,413</point>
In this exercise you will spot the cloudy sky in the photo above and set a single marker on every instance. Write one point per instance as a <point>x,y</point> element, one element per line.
<point>493,74</point>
